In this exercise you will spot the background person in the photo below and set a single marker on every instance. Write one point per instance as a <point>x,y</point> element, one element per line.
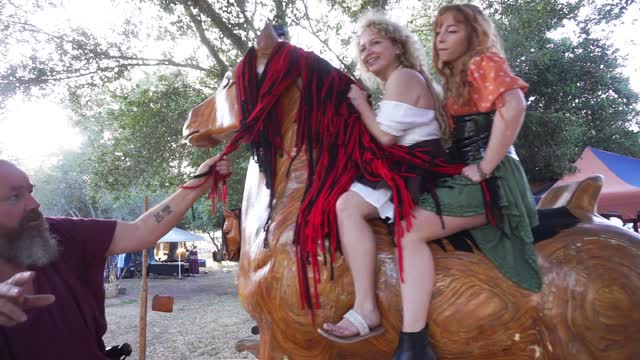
<point>51,269</point>
<point>194,267</point>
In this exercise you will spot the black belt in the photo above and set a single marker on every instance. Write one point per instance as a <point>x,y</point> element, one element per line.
<point>470,136</point>
<point>425,180</point>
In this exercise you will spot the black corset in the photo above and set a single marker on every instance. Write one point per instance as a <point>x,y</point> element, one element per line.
<point>470,136</point>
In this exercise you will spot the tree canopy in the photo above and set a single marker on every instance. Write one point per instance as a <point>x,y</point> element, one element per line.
<point>131,87</point>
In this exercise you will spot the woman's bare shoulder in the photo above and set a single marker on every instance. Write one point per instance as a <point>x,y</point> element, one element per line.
<point>407,76</point>
<point>407,86</point>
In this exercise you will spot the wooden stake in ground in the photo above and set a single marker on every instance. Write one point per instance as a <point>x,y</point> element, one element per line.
<point>144,290</point>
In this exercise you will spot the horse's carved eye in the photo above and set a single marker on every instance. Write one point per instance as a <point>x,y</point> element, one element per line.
<point>226,81</point>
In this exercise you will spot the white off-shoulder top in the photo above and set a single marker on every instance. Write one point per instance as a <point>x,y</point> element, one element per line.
<point>411,125</point>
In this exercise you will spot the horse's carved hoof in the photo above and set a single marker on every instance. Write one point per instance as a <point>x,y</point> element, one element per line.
<point>249,344</point>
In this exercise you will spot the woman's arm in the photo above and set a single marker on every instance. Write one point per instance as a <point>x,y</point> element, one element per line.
<point>404,85</point>
<point>504,131</point>
<point>359,100</point>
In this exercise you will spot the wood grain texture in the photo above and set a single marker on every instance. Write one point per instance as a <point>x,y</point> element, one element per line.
<point>588,308</point>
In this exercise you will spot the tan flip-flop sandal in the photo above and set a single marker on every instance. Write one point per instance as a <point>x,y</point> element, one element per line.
<point>363,329</point>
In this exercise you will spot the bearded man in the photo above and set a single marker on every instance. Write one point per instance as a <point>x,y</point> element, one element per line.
<point>51,269</point>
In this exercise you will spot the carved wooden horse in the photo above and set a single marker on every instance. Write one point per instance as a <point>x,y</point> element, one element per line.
<point>587,309</point>
<point>231,234</point>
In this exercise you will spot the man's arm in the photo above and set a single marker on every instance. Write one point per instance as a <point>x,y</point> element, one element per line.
<point>155,223</point>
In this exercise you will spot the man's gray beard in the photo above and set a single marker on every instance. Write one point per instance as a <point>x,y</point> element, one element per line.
<point>30,245</point>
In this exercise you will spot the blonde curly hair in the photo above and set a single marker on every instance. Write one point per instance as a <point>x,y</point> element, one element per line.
<point>412,56</point>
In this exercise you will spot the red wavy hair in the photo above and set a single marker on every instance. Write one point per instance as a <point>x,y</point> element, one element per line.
<point>482,38</point>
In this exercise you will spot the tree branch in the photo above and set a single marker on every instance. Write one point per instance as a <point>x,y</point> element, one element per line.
<point>157,62</point>
<point>348,67</point>
<point>243,10</point>
<point>197,24</point>
<point>205,7</point>
<point>281,15</point>
<point>76,73</point>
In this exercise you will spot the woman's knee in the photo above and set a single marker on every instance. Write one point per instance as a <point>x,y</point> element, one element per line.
<point>409,242</point>
<point>350,204</point>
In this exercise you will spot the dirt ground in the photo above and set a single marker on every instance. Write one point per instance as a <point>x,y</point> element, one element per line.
<point>206,321</point>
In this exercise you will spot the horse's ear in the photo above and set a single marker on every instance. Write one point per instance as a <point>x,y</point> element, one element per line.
<point>586,196</point>
<point>267,38</point>
<point>557,196</point>
<point>582,195</point>
<point>227,212</point>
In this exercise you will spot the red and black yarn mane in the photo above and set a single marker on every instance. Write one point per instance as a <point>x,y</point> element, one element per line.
<point>338,146</point>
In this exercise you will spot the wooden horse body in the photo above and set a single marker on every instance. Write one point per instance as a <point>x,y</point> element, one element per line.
<point>588,308</point>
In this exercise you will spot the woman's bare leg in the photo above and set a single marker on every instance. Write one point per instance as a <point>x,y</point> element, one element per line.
<point>418,266</point>
<point>359,248</point>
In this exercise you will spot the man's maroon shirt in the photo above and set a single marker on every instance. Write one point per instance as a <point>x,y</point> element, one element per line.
<point>72,327</point>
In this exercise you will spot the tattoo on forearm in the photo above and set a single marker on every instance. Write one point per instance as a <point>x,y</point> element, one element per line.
<point>162,214</point>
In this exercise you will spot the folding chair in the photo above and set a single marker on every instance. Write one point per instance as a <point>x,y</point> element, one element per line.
<point>137,269</point>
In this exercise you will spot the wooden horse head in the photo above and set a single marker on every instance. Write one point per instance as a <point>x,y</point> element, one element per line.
<point>215,119</point>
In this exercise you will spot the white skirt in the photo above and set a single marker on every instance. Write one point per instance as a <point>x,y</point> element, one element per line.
<point>381,199</point>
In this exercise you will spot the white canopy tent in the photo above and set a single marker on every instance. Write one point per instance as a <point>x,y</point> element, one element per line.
<point>179,235</point>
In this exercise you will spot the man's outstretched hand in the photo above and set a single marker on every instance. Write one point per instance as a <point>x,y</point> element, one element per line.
<point>13,302</point>
<point>220,165</point>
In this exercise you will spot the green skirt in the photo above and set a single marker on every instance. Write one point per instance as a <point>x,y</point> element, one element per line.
<point>510,245</point>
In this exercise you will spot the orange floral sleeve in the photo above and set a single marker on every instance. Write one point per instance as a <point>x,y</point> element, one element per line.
<point>490,76</point>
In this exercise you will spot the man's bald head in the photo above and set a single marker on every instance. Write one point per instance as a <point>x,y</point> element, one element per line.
<point>24,233</point>
<point>15,193</point>
<point>9,170</point>
<point>6,164</point>
<point>14,186</point>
